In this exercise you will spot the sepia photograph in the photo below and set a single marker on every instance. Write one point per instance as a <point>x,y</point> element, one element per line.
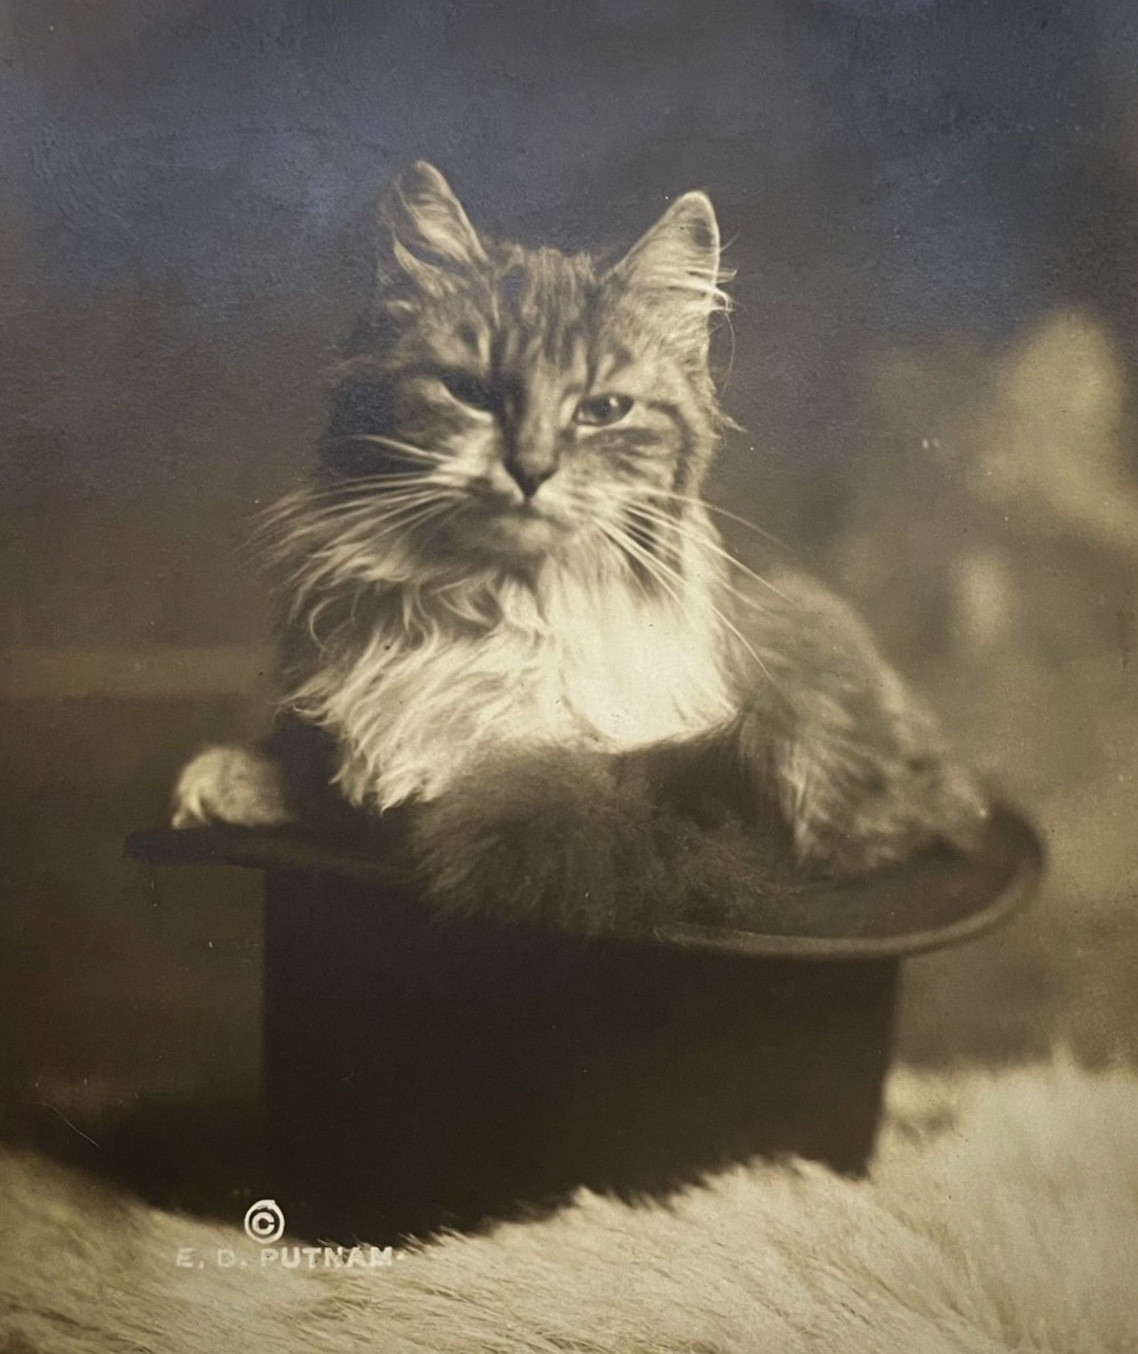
<point>569,676</point>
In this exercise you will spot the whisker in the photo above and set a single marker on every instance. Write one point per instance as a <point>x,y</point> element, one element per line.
<point>705,543</point>
<point>451,509</point>
<point>332,511</point>
<point>673,582</point>
<point>347,490</point>
<point>333,538</point>
<point>722,512</point>
<point>303,516</point>
<point>394,444</point>
<point>725,381</point>
<point>370,483</point>
<point>371,489</point>
<point>659,569</point>
<point>629,548</point>
<point>368,515</point>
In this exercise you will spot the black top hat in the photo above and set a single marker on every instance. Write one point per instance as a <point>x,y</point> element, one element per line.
<point>938,897</point>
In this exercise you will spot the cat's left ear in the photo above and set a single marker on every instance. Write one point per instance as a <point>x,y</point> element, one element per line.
<point>674,269</point>
<point>424,232</point>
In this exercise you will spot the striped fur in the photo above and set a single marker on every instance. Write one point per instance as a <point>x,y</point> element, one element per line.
<point>502,574</point>
<point>437,617</point>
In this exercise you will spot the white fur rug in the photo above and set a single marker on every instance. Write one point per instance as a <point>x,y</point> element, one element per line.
<point>1002,1215</point>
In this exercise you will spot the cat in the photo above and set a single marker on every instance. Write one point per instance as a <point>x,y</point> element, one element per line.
<point>510,625</point>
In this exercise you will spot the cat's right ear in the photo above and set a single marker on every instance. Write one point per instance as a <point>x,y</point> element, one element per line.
<point>424,234</point>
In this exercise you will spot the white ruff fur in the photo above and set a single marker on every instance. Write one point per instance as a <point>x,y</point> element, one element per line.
<point>581,656</point>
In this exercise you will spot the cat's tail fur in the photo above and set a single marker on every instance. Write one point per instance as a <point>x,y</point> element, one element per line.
<point>580,842</point>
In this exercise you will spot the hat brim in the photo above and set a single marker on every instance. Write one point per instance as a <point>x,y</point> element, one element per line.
<point>937,898</point>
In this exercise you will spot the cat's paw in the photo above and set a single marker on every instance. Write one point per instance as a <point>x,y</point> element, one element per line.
<point>884,809</point>
<point>230,785</point>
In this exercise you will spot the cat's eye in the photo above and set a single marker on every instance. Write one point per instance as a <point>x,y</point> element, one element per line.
<point>468,389</point>
<point>600,410</point>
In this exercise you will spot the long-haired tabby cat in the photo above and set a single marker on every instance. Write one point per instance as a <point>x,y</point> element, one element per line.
<point>510,624</point>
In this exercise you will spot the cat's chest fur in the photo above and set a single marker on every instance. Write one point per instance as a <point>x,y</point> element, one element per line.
<point>571,664</point>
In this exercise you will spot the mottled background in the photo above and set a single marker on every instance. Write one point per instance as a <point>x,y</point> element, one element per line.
<point>930,207</point>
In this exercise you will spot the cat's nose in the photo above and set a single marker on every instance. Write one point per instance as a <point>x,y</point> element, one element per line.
<point>529,473</point>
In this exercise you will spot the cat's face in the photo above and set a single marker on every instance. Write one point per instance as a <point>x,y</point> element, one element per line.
<point>501,402</point>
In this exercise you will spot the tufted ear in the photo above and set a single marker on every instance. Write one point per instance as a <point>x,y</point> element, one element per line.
<point>424,232</point>
<point>674,269</point>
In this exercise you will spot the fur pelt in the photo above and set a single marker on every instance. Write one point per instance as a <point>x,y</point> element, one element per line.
<point>1002,1214</point>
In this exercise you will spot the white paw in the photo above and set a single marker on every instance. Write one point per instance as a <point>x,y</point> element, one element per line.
<point>230,785</point>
